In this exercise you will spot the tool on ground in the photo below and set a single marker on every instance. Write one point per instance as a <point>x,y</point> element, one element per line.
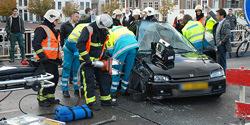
<point>67,113</point>
<point>112,119</point>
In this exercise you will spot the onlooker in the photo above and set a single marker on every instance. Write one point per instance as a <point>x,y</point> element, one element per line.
<point>199,15</point>
<point>87,17</point>
<point>117,15</point>
<point>127,17</point>
<point>15,30</point>
<point>150,14</point>
<point>67,27</point>
<point>232,20</point>
<point>222,38</point>
<point>182,12</point>
<point>179,25</point>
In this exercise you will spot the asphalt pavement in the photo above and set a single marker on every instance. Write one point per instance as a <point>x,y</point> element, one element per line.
<point>181,111</point>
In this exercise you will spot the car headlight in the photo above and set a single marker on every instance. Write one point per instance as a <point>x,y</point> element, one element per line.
<point>217,73</point>
<point>160,78</point>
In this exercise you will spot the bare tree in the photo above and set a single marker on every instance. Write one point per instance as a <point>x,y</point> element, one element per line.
<point>70,8</point>
<point>40,7</point>
<point>110,6</point>
<point>166,8</point>
<point>6,7</point>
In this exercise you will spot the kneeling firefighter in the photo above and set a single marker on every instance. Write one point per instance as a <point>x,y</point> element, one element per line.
<point>122,46</point>
<point>71,60</point>
<point>91,45</point>
<point>46,44</point>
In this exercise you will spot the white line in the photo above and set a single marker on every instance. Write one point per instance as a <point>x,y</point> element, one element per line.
<point>9,111</point>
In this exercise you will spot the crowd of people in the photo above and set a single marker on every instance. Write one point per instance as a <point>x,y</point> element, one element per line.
<point>103,37</point>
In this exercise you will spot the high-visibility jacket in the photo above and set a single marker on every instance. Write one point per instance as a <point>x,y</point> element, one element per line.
<point>120,40</point>
<point>50,45</point>
<point>194,32</point>
<point>210,24</point>
<point>75,34</point>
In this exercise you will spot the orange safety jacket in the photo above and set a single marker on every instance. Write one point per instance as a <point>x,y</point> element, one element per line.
<point>50,45</point>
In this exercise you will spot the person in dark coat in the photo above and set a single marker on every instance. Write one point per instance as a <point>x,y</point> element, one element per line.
<point>117,15</point>
<point>127,18</point>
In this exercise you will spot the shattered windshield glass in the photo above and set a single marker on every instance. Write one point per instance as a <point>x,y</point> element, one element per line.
<point>152,32</point>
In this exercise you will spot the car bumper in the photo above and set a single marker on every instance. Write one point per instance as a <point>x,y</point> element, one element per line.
<point>173,90</point>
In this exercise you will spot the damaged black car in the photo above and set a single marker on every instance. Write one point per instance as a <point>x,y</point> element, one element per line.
<point>168,66</point>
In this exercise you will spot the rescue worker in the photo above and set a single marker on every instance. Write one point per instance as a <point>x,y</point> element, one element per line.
<point>91,44</point>
<point>46,44</point>
<point>178,25</point>
<point>136,18</point>
<point>122,46</point>
<point>210,22</point>
<point>194,32</point>
<point>150,14</point>
<point>199,15</point>
<point>117,16</point>
<point>71,61</point>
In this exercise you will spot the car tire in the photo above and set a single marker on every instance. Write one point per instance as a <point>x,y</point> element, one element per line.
<point>137,94</point>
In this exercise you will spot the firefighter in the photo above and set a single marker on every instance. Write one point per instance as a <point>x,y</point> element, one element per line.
<point>71,61</point>
<point>194,32</point>
<point>91,44</point>
<point>122,46</point>
<point>46,44</point>
<point>150,14</point>
<point>117,15</point>
<point>136,19</point>
<point>199,15</point>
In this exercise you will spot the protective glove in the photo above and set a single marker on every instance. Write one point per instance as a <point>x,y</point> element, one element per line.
<point>76,54</point>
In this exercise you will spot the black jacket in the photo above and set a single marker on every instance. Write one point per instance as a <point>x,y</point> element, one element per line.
<point>99,36</point>
<point>127,22</point>
<point>65,29</point>
<point>116,22</point>
<point>40,35</point>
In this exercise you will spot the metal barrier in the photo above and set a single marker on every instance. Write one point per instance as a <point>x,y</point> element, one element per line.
<point>5,45</point>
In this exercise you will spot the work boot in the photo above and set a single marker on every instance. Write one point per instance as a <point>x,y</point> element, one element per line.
<point>54,101</point>
<point>94,106</point>
<point>76,93</point>
<point>44,103</point>
<point>66,94</point>
<point>111,102</point>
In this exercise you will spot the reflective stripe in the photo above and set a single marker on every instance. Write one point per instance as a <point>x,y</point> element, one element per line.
<point>40,96</point>
<point>65,79</point>
<point>124,82</point>
<point>113,88</point>
<point>75,78</point>
<point>192,26</point>
<point>93,58</point>
<point>39,51</point>
<point>124,87</point>
<point>115,83</point>
<point>49,48</point>
<point>83,53</point>
<point>197,41</point>
<point>105,98</point>
<point>64,85</point>
<point>50,96</point>
<point>125,48</point>
<point>88,100</point>
<point>96,44</point>
<point>195,35</point>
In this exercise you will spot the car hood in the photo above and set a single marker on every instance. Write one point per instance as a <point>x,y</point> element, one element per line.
<point>186,65</point>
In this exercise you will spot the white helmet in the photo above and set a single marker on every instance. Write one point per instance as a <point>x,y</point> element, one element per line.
<point>150,11</point>
<point>104,21</point>
<point>198,7</point>
<point>136,12</point>
<point>180,16</point>
<point>116,12</point>
<point>52,15</point>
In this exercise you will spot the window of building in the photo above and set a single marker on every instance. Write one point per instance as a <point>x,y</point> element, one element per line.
<point>145,5</point>
<point>25,15</point>
<point>31,16</point>
<point>156,6</point>
<point>194,4</point>
<point>188,5</point>
<point>150,4</point>
<point>59,5</point>
<point>176,2</point>
<point>123,3</point>
<point>82,5</point>
<point>130,3</point>
<point>87,5</point>
<point>25,2</point>
<point>20,3</point>
<point>20,13</point>
<point>136,3</point>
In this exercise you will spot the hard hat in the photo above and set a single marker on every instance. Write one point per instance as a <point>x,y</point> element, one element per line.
<point>52,15</point>
<point>179,17</point>
<point>150,11</point>
<point>136,12</point>
<point>198,7</point>
<point>116,12</point>
<point>104,21</point>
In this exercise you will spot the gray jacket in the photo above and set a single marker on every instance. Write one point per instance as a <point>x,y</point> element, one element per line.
<point>224,33</point>
<point>9,24</point>
<point>232,20</point>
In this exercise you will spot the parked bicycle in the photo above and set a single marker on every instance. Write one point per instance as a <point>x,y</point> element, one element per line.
<point>243,47</point>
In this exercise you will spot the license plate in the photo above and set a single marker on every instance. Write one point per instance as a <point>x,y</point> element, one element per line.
<point>194,86</point>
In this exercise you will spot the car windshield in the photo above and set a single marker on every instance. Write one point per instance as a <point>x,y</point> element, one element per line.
<point>152,32</point>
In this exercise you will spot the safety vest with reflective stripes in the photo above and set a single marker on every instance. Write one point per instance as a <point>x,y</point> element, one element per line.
<point>50,45</point>
<point>193,31</point>
<point>75,34</point>
<point>92,46</point>
<point>115,33</point>
<point>210,24</point>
